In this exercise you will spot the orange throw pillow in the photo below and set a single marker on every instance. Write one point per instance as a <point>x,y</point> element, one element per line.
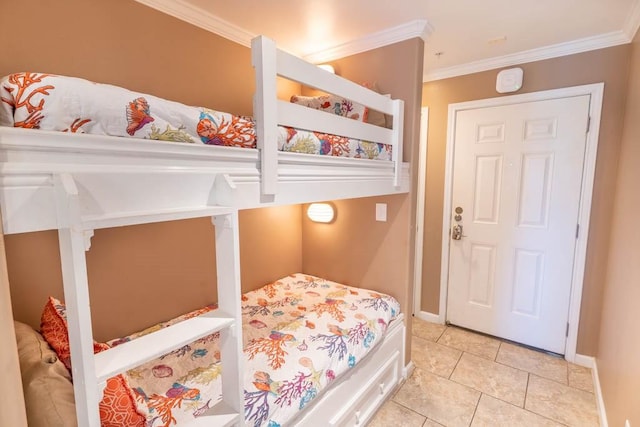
<point>53,327</point>
<point>118,406</point>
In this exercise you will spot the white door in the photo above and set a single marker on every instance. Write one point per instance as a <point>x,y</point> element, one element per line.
<point>516,187</point>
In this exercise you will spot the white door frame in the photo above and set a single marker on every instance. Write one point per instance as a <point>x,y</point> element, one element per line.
<point>588,174</point>
<point>422,178</point>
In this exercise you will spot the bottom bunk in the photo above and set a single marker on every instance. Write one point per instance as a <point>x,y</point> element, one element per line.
<point>316,353</point>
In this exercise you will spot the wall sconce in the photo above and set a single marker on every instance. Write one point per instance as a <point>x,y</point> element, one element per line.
<point>321,212</point>
<point>328,67</point>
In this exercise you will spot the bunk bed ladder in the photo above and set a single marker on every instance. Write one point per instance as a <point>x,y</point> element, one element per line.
<point>90,373</point>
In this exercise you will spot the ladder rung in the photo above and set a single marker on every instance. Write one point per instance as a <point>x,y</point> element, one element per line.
<point>220,415</point>
<point>140,350</point>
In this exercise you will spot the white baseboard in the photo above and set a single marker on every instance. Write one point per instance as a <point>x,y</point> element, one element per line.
<point>429,317</point>
<point>408,370</point>
<point>590,362</point>
<point>586,361</point>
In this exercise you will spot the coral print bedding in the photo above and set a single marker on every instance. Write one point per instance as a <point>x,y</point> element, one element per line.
<point>68,104</point>
<point>301,333</point>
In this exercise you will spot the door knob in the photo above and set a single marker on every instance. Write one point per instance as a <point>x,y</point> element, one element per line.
<point>456,232</point>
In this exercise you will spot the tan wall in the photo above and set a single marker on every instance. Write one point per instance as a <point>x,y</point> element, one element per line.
<point>619,347</point>
<point>606,65</point>
<point>356,249</point>
<point>270,244</point>
<point>127,44</point>
<point>131,45</point>
<point>144,274</point>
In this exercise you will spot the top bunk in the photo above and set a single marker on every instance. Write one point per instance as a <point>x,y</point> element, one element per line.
<point>126,177</point>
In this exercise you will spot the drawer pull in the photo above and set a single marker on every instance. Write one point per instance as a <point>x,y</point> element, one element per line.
<point>381,388</point>
<point>357,417</point>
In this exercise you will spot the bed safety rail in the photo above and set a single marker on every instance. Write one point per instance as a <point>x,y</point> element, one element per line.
<point>270,62</point>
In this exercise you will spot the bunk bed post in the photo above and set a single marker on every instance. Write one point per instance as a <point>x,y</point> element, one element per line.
<point>265,107</point>
<point>229,296</point>
<point>398,128</point>
<point>73,242</point>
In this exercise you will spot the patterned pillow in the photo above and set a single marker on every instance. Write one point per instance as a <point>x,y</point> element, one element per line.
<point>53,326</point>
<point>333,104</point>
<point>117,407</point>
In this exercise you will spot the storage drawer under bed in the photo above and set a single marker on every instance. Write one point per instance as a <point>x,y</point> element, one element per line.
<point>354,401</point>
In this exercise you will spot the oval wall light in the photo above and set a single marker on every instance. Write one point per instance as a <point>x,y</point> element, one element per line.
<point>321,212</point>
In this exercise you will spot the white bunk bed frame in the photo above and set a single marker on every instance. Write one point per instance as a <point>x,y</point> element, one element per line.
<point>79,183</point>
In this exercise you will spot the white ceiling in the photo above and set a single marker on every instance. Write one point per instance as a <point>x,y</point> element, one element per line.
<point>471,35</point>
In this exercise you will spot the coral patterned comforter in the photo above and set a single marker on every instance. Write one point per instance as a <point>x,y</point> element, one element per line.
<point>300,334</point>
<point>68,104</point>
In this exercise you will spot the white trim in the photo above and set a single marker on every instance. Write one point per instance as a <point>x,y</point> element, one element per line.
<point>446,217</point>
<point>633,21</point>
<point>584,216</point>
<point>590,362</point>
<point>429,317</point>
<point>201,18</point>
<point>601,41</point>
<point>596,92</point>
<point>418,28</point>
<point>420,196</point>
<point>185,11</point>
<point>584,361</point>
<point>408,370</point>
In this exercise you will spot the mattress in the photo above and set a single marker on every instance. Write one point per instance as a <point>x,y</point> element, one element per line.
<point>68,104</point>
<point>301,333</point>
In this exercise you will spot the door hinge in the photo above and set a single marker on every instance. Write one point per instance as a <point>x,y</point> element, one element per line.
<point>577,230</point>
<point>588,124</point>
<point>567,333</point>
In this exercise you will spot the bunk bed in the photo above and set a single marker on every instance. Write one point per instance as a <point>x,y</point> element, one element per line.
<point>78,183</point>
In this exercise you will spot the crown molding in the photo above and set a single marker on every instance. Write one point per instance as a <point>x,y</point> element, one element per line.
<point>586,44</point>
<point>418,28</point>
<point>633,21</point>
<point>200,18</point>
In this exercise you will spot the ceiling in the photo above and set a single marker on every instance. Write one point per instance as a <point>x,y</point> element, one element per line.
<point>462,36</point>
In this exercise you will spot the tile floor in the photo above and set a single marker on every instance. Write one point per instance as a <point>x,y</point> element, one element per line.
<point>467,379</point>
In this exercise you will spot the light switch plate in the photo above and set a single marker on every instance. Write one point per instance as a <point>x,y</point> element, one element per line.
<point>381,212</point>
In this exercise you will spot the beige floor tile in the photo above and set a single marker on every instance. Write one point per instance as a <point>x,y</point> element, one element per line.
<point>492,412</point>
<point>431,423</point>
<point>426,330</point>
<point>394,414</point>
<point>505,383</point>
<point>435,358</point>
<point>536,362</point>
<point>477,344</point>
<point>561,403</point>
<point>439,399</point>
<point>580,377</point>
